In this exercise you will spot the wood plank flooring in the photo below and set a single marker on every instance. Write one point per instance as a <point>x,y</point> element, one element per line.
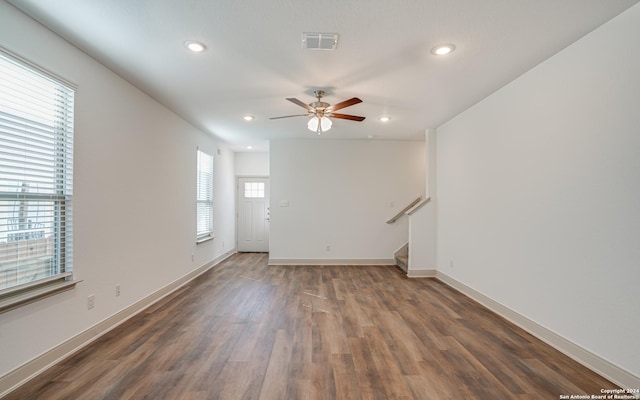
<point>246,330</point>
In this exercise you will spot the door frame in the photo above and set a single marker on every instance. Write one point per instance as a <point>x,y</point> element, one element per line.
<point>238,177</point>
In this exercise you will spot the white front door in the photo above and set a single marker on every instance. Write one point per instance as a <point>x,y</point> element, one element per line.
<point>253,215</point>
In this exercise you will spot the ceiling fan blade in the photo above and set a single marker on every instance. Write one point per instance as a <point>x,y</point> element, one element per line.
<point>290,116</point>
<point>347,116</point>
<point>345,103</point>
<point>300,103</point>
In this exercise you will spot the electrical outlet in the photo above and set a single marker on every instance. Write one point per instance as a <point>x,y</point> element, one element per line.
<point>117,290</point>
<point>91,301</point>
<point>450,263</point>
<point>328,248</point>
<point>193,257</point>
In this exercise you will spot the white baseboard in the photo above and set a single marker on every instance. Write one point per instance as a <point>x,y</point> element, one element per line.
<point>331,261</point>
<point>31,369</point>
<point>585,357</point>
<point>421,273</point>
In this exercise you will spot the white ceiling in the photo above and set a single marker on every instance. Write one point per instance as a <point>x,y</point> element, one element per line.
<point>255,57</point>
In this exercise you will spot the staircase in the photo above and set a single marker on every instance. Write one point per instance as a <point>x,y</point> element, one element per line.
<point>401,257</point>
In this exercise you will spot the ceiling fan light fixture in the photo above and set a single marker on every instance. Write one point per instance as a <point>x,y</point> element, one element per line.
<point>443,49</point>
<point>384,118</point>
<point>248,117</point>
<point>325,124</point>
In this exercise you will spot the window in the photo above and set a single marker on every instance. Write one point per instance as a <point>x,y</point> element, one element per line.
<point>204,197</point>
<point>36,150</point>
<point>254,189</point>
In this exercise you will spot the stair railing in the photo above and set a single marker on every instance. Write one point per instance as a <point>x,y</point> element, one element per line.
<point>418,200</point>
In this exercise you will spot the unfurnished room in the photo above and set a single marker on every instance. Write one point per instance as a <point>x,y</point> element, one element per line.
<point>357,199</point>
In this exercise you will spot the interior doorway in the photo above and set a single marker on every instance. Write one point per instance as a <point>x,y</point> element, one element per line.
<point>253,215</point>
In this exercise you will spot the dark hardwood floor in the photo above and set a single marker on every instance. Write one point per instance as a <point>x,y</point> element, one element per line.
<point>245,330</point>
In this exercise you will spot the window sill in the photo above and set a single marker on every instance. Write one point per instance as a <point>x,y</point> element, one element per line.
<point>204,239</point>
<point>19,299</point>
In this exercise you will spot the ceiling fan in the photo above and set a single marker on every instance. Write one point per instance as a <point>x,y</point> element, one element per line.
<point>319,111</point>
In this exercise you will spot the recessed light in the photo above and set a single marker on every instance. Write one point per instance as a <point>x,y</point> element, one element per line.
<point>249,147</point>
<point>384,119</point>
<point>196,47</point>
<point>248,117</point>
<point>443,49</point>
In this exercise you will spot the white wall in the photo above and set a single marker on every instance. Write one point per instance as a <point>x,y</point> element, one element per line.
<point>539,194</point>
<point>252,164</point>
<point>134,197</point>
<point>340,194</point>
<point>423,222</point>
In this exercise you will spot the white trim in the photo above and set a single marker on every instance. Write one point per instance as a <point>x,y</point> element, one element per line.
<point>15,300</point>
<point>421,273</point>
<point>585,357</point>
<point>43,71</point>
<point>331,261</point>
<point>39,282</point>
<point>21,375</point>
<point>250,176</point>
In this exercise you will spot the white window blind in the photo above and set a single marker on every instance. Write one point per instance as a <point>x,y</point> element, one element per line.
<point>36,176</point>
<point>204,197</point>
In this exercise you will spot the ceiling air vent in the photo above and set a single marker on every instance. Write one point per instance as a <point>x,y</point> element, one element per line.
<point>319,41</point>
